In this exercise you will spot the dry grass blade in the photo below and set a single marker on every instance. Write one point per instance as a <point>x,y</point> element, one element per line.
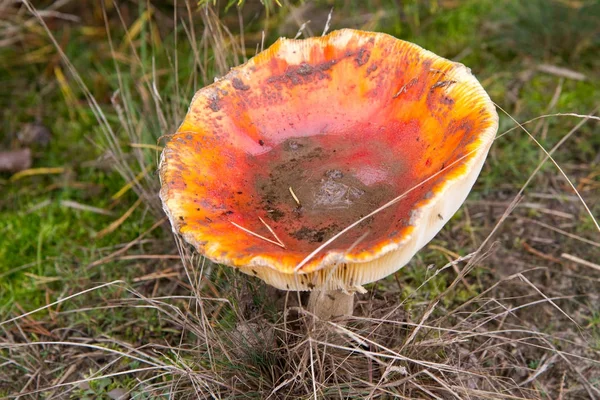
<point>248,231</point>
<point>563,232</point>
<point>548,299</point>
<point>118,222</point>
<point>36,171</point>
<point>562,72</point>
<point>272,231</point>
<point>548,156</point>
<point>128,246</point>
<point>580,261</point>
<point>146,146</point>
<point>60,301</point>
<point>131,183</point>
<point>540,370</point>
<point>519,195</point>
<point>415,331</point>
<point>84,207</point>
<point>294,195</point>
<point>328,22</point>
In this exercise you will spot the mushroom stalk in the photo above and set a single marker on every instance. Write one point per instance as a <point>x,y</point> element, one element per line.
<point>329,304</point>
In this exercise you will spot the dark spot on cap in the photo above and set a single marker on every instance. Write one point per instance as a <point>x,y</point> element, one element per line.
<point>371,68</point>
<point>214,103</point>
<point>362,57</point>
<point>239,84</point>
<point>261,142</point>
<point>305,69</point>
<point>446,100</point>
<point>334,174</point>
<point>304,73</point>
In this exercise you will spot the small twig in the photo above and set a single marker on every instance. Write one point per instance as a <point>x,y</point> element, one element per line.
<point>405,87</point>
<point>540,254</point>
<point>448,254</point>
<point>294,195</point>
<point>257,235</point>
<point>581,261</point>
<point>562,72</point>
<point>156,276</point>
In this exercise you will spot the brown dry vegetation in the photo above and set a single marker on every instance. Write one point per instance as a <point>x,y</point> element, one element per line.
<point>504,303</point>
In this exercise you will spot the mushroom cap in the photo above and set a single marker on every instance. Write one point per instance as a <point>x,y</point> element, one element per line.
<point>312,135</point>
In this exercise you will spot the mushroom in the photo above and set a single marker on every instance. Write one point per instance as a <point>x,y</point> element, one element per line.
<point>326,163</point>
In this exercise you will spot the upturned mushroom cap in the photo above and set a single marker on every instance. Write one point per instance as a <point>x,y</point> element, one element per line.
<point>312,135</point>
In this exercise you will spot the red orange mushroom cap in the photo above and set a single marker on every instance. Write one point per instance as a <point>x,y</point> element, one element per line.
<point>311,136</point>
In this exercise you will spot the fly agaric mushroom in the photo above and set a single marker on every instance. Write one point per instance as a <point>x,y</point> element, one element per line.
<point>311,137</point>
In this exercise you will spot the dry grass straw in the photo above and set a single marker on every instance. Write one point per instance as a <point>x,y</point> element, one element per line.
<point>468,351</point>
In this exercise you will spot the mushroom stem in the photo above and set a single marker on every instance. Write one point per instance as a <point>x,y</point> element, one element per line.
<point>329,304</point>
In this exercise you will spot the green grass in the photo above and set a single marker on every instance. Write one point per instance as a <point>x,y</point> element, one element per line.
<point>41,232</point>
